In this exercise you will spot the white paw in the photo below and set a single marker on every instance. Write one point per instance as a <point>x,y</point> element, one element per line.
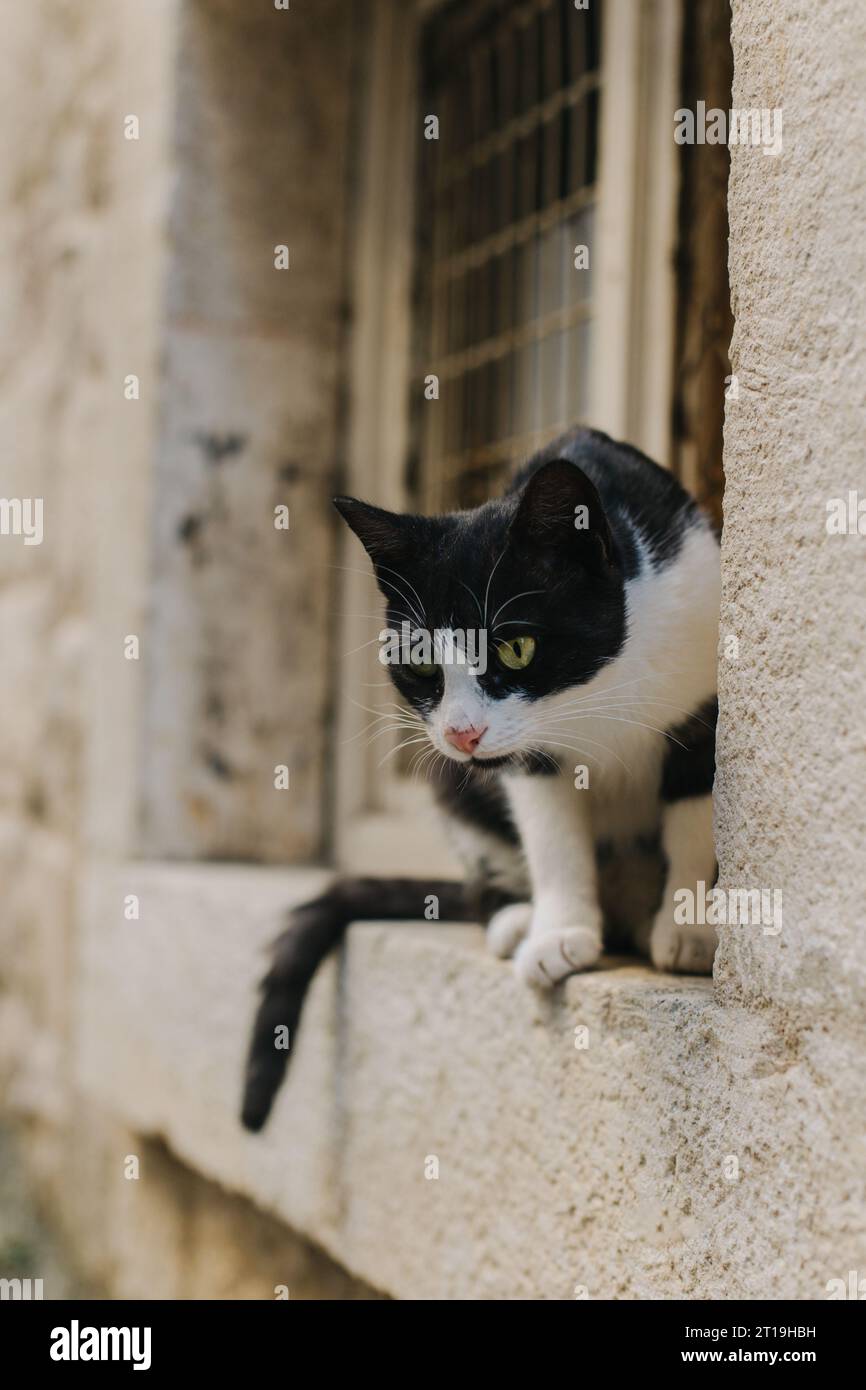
<point>507,928</point>
<point>684,950</point>
<point>546,957</point>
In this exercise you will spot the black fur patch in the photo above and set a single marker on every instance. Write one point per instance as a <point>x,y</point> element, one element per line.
<point>638,496</point>
<point>689,770</point>
<point>477,799</point>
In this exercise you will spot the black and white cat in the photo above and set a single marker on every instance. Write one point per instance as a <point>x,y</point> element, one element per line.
<point>576,765</point>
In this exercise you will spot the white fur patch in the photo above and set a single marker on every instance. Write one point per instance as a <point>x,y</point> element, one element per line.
<point>687,837</point>
<point>507,928</point>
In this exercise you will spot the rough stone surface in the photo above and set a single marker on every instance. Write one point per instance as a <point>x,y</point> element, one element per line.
<point>251,405</point>
<point>82,212</point>
<point>230,700</point>
<point>792,762</point>
<point>791,779</point>
<point>634,1167</point>
<point>166,1233</point>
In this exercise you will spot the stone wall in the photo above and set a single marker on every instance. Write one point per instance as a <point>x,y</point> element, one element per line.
<point>109,238</point>
<point>792,767</point>
<point>251,390</point>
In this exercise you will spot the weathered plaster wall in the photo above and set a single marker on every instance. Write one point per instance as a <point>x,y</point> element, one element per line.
<point>83,214</point>
<point>791,784</point>
<point>78,286</point>
<point>252,391</point>
<point>792,779</point>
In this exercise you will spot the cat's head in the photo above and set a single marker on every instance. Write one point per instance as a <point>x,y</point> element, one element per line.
<point>521,600</point>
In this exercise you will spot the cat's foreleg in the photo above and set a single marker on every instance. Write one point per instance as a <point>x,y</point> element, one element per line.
<point>565,927</point>
<point>507,928</point>
<point>687,839</point>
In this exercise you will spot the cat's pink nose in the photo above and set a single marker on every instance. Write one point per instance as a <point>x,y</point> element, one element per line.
<point>467,740</point>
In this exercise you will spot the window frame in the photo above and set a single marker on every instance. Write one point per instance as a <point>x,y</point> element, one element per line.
<point>382,818</point>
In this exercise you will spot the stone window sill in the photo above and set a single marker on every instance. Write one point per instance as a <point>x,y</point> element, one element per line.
<point>415,1046</point>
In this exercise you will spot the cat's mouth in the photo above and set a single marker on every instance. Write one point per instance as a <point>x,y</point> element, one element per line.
<point>492,763</point>
<point>481,760</point>
<point>498,760</point>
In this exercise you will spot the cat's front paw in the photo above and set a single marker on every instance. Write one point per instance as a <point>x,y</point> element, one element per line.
<point>546,957</point>
<point>685,950</point>
<point>507,928</point>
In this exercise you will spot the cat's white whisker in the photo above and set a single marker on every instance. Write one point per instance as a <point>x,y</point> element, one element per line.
<point>403,719</point>
<point>615,719</point>
<point>372,643</point>
<point>352,569</point>
<point>380,618</point>
<point>426,758</point>
<point>391,704</point>
<point>419,762</point>
<point>404,580</point>
<point>489,582</point>
<point>555,742</point>
<point>639,703</point>
<point>472,595</point>
<point>406,743</point>
<point>389,728</point>
<point>526,593</point>
<point>603,691</point>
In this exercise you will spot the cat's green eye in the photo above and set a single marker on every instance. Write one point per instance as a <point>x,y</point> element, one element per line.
<point>516,653</point>
<point>427,669</point>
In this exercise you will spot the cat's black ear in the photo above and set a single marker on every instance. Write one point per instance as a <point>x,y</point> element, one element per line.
<point>561,512</point>
<point>382,534</point>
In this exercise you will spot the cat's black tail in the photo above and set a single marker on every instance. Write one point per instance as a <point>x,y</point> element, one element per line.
<point>313,930</point>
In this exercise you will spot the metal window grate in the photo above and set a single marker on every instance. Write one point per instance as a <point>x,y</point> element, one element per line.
<point>506,193</point>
